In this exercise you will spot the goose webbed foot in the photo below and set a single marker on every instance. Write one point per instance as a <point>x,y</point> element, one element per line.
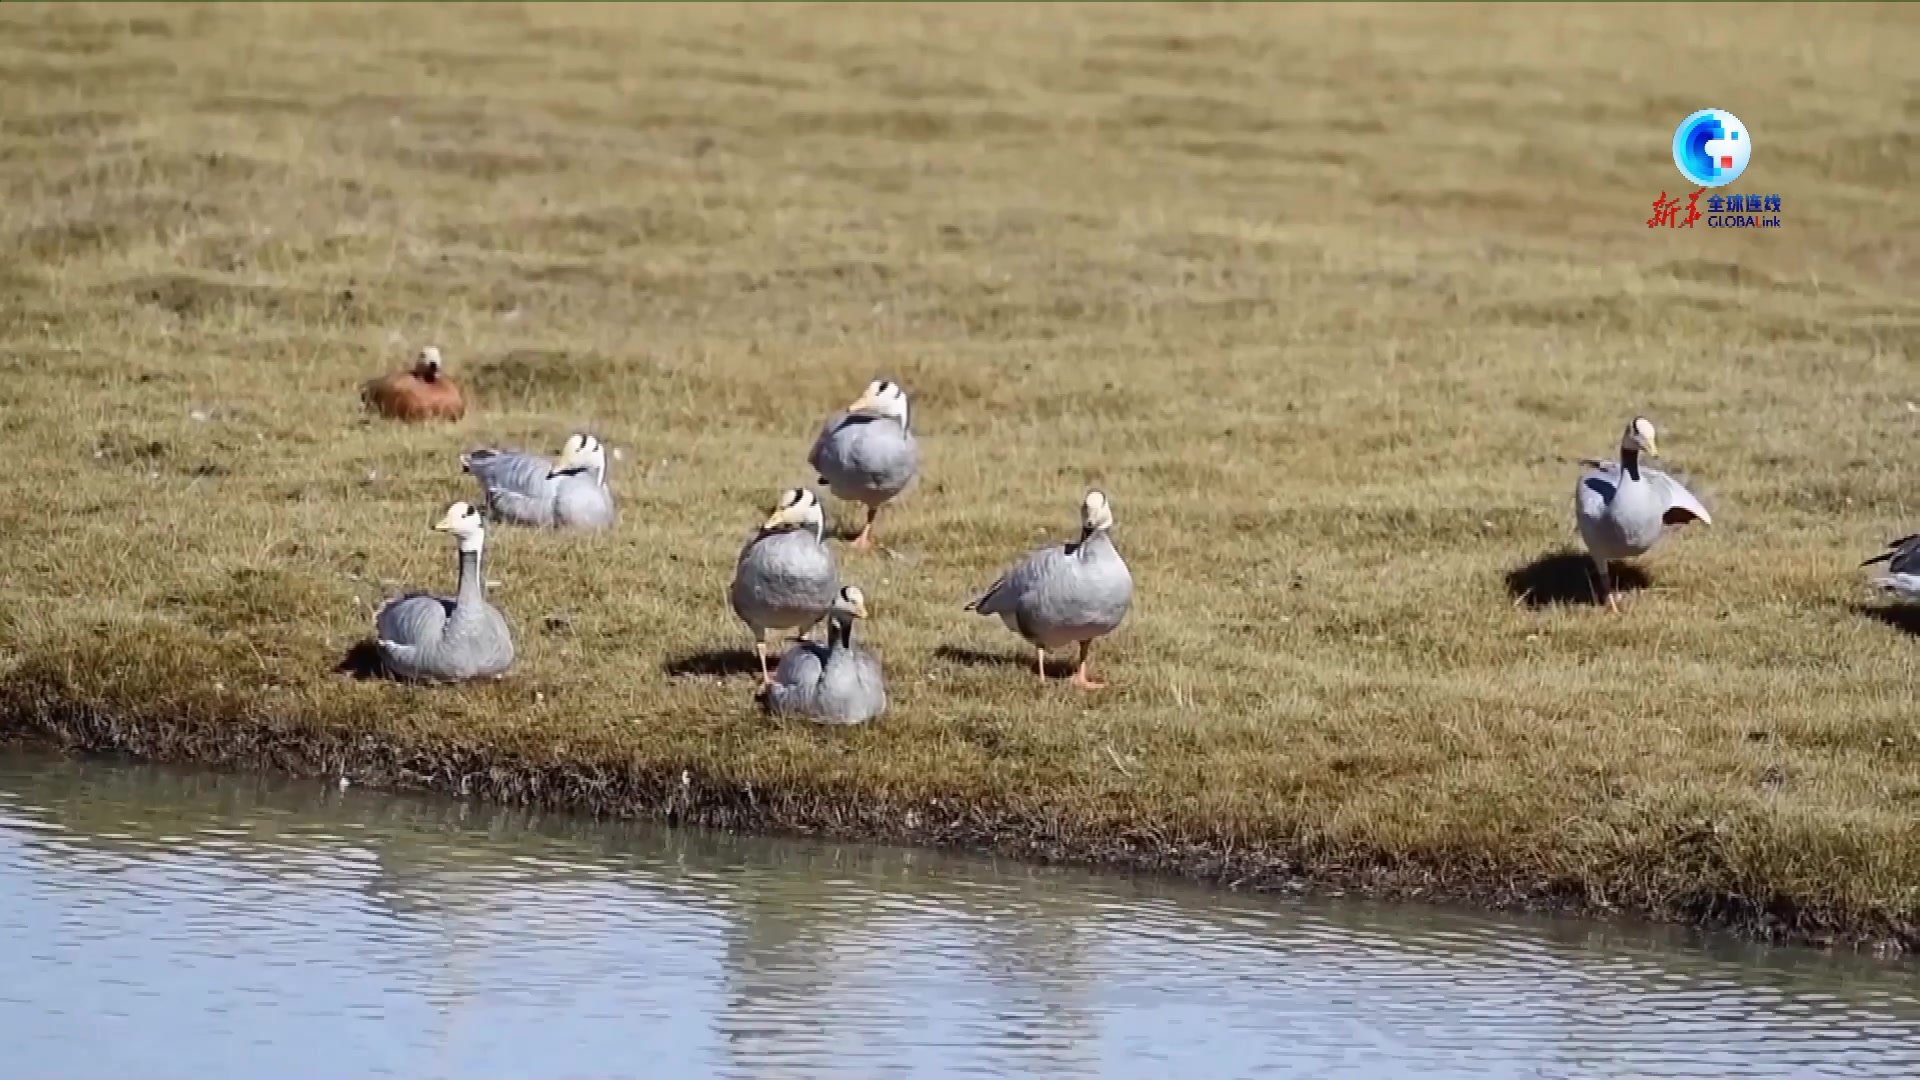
<point>1080,677</point>
<point>1086,682</point>
<point>865,541</point>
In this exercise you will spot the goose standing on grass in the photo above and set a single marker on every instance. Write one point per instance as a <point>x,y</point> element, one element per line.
<point>428,638</point>
<point>526,489</point>
<point>786,577</point>
<point>867,454</point>
<point>422,392</point>
<point>1066,594</point>
<point>835,683</point>
<point>1903,567</point>
<point>1623,507</point>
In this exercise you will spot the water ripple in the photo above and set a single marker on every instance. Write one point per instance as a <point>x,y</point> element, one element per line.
<point>254,926</point>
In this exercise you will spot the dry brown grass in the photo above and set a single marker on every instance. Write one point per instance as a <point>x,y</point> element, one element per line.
<point>1327,299</point>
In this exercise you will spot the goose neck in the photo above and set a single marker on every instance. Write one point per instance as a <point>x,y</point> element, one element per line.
<point>473,586</point>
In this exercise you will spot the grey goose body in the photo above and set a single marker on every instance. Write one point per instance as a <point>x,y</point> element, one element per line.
<point>1066,594</point>
<point>526,489</point>
<point>429,638</point>
<point>867,453</point>
<point>786,577</point>
<point>836,682</point>
<point>1622,508</point>
<point>1903,567</point>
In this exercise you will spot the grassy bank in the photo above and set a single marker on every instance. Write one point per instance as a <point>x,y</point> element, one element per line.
<point>1327,300</point>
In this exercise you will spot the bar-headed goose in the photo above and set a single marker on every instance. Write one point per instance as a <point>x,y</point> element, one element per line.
<point>1622,507</point>
<point>1066,594</point>
<point>430,638</point>
<point>422,392</point>
<point>867,454</point>
<point>1903,567</point>
<point>786,577</point>
<point>835,683</point>
<point>525,489</point>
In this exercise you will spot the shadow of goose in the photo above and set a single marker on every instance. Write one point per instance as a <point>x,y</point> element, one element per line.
<point>966,657</point>
<point>1566,577</point>
<point>713,662</point>
<point>1901,617</point>
<point>362,661</point>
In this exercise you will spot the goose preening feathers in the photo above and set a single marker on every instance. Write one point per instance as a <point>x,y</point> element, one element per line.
<point>1623,507</point>
<point>835,683</point>
<point>867,453</point>
<point>786,577</point>
<point>525,489</point>
<point>429,638</point>
<point>1066,594</point>
<point>422,392</point>
<point>1903,567</point>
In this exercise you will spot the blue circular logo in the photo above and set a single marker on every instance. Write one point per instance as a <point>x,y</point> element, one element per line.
<point>1712,147</point>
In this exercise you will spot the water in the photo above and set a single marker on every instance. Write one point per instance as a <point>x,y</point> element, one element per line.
<point>168,923</point>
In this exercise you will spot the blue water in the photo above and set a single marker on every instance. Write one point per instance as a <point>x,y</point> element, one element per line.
<point>166,923</point>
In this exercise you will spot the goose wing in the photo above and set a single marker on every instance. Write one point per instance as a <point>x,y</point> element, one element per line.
<point>832,454</point>
<point>873,683</point>
<point>1595,488</point>
<point>1682,506</point>
<point>797,679</point>
<point>1001,596</point>
<point>509,471</point>
<point>821,457</point>
<point>412,619</point>
<point>1902,556</point>
<point>516,483</point>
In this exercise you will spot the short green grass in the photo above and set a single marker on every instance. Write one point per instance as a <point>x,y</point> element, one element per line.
<point>1328,300</point>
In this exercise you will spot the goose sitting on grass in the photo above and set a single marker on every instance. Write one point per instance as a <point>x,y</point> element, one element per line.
<point>525,489</point>
<point>1623,508</point>
<point>786,577</point>
<point>428,638</point>
<point>1903,568</point>
<point>1066,594</point>
<point>422,392</point>
<point>867,454</point>
<point>835,683</point>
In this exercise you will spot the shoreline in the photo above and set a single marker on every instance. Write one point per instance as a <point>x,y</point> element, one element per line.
<point>635,790</point>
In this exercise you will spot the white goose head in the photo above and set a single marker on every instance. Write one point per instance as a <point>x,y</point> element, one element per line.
<point>1096,513</point>
<point>798,508</point>
<point>582,453</point>
<point>851,603</point>
<point>882,399</point>
<point>466,524</point>
<point>1639,438</point>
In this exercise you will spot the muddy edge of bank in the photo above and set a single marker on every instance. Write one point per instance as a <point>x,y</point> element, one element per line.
<point>682,796</point>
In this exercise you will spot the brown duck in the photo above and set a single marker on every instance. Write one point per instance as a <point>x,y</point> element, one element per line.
<point>418,394</point>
